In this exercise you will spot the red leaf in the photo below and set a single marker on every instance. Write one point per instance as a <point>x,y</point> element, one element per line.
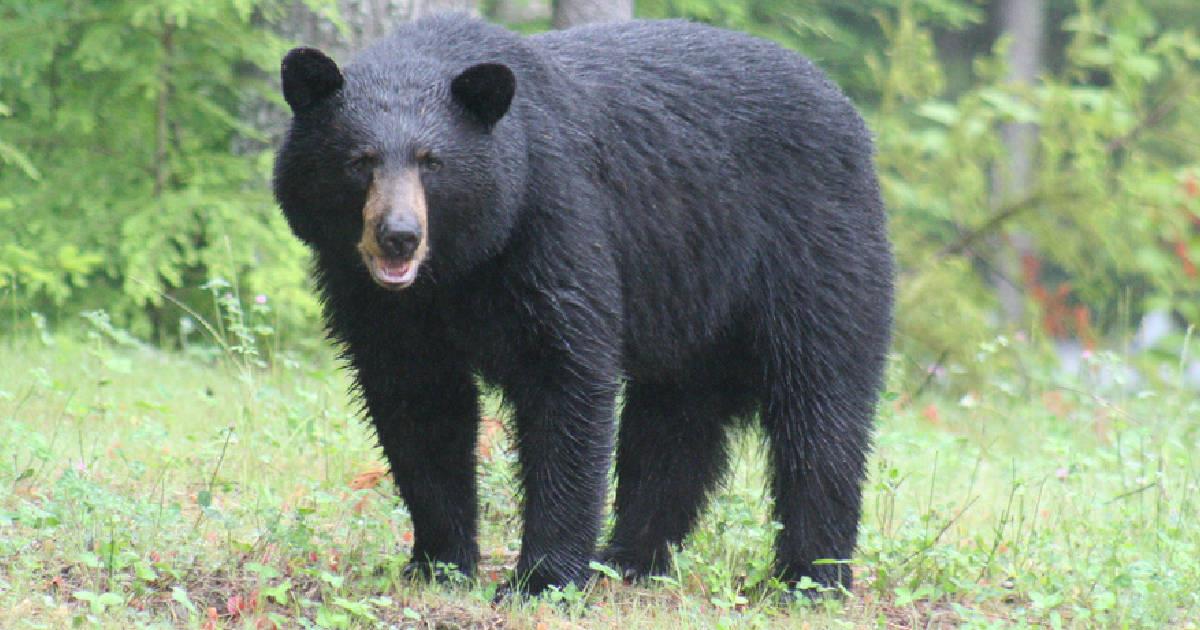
<point>931,413</point>
<point>234,605</point>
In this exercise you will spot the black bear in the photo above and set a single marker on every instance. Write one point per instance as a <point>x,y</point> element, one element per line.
<point>687,212</point>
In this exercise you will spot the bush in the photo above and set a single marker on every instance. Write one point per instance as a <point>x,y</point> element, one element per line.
<point>122,121</point>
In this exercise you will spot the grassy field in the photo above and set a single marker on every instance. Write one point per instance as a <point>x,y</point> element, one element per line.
<point>147,489</point>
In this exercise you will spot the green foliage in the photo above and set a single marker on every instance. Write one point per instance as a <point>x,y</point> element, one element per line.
<point>1115,178</point>
<point>834,34</point>
<point>122,120</point>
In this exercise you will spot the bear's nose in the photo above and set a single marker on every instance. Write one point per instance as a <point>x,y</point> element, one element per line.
<point>399,238</point>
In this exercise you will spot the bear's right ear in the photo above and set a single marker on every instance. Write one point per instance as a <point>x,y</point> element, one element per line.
<point>309,76</point>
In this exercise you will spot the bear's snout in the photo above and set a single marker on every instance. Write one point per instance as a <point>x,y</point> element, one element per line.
<point>399,236</point>
<point>395,232</point>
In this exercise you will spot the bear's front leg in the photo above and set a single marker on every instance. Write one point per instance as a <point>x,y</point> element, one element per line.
<point>565,422</point>
<point>427,418</point>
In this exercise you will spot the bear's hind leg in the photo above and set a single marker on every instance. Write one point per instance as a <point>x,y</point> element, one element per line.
<point>671,452</point>
<point>818,454</point>
<point>817,415</point>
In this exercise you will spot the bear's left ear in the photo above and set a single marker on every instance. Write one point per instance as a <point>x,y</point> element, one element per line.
<point>485,90</point>
<point>308,76</point>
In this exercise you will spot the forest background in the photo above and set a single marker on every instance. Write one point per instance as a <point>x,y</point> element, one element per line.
<point>1040,158</point>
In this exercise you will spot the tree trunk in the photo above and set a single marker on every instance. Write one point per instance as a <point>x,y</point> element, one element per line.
<point>568,13</point>
<point>366,21</point>
<point>427,7</point>
<point>1023,21</point>
<point>518,11</point>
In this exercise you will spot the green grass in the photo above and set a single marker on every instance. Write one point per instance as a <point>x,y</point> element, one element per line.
<point>147,489</point>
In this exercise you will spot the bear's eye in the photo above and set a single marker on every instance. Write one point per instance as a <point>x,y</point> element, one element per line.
<point>363,163</point>
<point>428,161</point>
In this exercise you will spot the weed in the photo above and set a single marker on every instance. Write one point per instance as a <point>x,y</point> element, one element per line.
<point>233,488</point>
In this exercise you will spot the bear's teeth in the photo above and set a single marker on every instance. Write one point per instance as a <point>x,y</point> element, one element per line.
<point>396,272</point>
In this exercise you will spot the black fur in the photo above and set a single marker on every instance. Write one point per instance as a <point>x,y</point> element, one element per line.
<point>307,77</point>
<point>687,210</point>
<point>485,90</point>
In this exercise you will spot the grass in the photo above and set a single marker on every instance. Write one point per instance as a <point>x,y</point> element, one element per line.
<point>140,488</point>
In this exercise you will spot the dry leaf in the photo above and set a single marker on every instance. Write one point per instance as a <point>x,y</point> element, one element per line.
<point>369,478</point>
<point>490,429</point>
<point>211,622</point>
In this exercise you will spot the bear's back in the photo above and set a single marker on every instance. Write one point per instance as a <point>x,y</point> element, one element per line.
<point>725,156</point>
<point>714,72</point>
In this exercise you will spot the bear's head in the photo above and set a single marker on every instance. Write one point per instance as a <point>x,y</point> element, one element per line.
<point>399,165</point>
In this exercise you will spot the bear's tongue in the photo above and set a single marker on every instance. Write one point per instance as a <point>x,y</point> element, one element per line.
<point>395,271</point>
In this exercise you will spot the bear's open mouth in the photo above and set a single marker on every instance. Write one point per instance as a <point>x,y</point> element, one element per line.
<point>392,273</point>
